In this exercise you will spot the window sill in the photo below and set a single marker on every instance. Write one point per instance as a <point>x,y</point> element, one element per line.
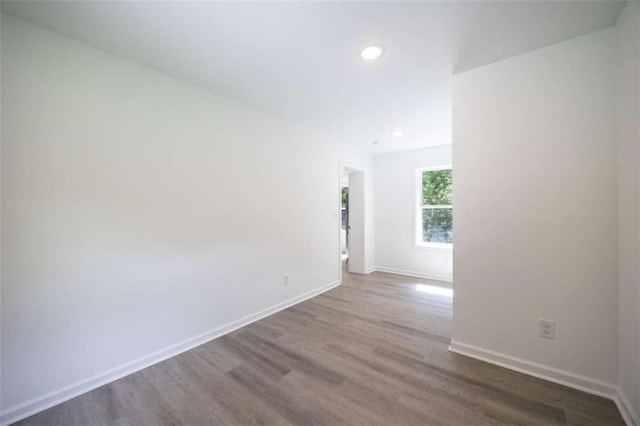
<point>441,246</point>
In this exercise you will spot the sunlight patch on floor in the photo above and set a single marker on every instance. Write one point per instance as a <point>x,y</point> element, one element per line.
<point>431,289</point>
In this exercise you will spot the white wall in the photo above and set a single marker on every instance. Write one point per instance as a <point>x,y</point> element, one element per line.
<point>536,206</point>
<point>0,219</point>
<point>395,186</point>
<point>369,217</point>
<point>628,133</point>
<point>139,211</point>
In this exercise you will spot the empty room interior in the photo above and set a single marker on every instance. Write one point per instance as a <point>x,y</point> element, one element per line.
<point>320,213</point>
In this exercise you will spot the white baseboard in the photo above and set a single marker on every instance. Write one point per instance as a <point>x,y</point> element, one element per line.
<point>563,377</point>
<point>629,414</point>
<point>414,274</point>
<point>40,403</point>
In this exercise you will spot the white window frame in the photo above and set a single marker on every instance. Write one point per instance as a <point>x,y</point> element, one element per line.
<point>417,232</point>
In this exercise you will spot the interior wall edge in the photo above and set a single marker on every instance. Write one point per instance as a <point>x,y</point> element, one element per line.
<point>623,403</point>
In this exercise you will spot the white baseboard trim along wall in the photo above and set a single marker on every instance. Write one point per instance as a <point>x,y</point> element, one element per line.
<point>626,409</point>
<point>41,403</point>
<point>576,381</point>
<point>415,274</point>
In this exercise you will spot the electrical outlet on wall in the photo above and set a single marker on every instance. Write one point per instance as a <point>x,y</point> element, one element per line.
<point>285,279</point>
<point>547,328</point>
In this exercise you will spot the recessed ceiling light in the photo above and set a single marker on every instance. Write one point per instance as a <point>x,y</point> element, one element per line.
<point>396,133</point>
<point>371,53</point>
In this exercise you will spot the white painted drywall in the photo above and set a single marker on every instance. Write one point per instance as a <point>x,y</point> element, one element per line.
<point>628,136</point>
<point>0,215</point>
<point>536,206</point>
<point>395,195</point>
<point>139,211</point>
<point>369,218</point>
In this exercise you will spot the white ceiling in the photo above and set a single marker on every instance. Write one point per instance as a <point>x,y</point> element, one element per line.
<point>300,60</point>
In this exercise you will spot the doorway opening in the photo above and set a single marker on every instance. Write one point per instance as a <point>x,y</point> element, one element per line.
<point>351,222</point>
<point>344,220</point>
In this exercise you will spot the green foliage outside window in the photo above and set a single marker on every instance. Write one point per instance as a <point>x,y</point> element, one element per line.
<point>437,213</point>
<point>345,194</point>
<point>436,187</point>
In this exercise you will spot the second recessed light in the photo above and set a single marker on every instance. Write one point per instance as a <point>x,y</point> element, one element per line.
<point>396,133</point>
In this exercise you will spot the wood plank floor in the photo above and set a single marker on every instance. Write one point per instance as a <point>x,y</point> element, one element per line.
<point>371,352</point>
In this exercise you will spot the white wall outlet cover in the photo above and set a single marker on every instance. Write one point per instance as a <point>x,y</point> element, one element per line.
<point>547,328</point>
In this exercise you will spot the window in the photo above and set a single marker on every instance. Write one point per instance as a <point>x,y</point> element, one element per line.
<point>435,212</point>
